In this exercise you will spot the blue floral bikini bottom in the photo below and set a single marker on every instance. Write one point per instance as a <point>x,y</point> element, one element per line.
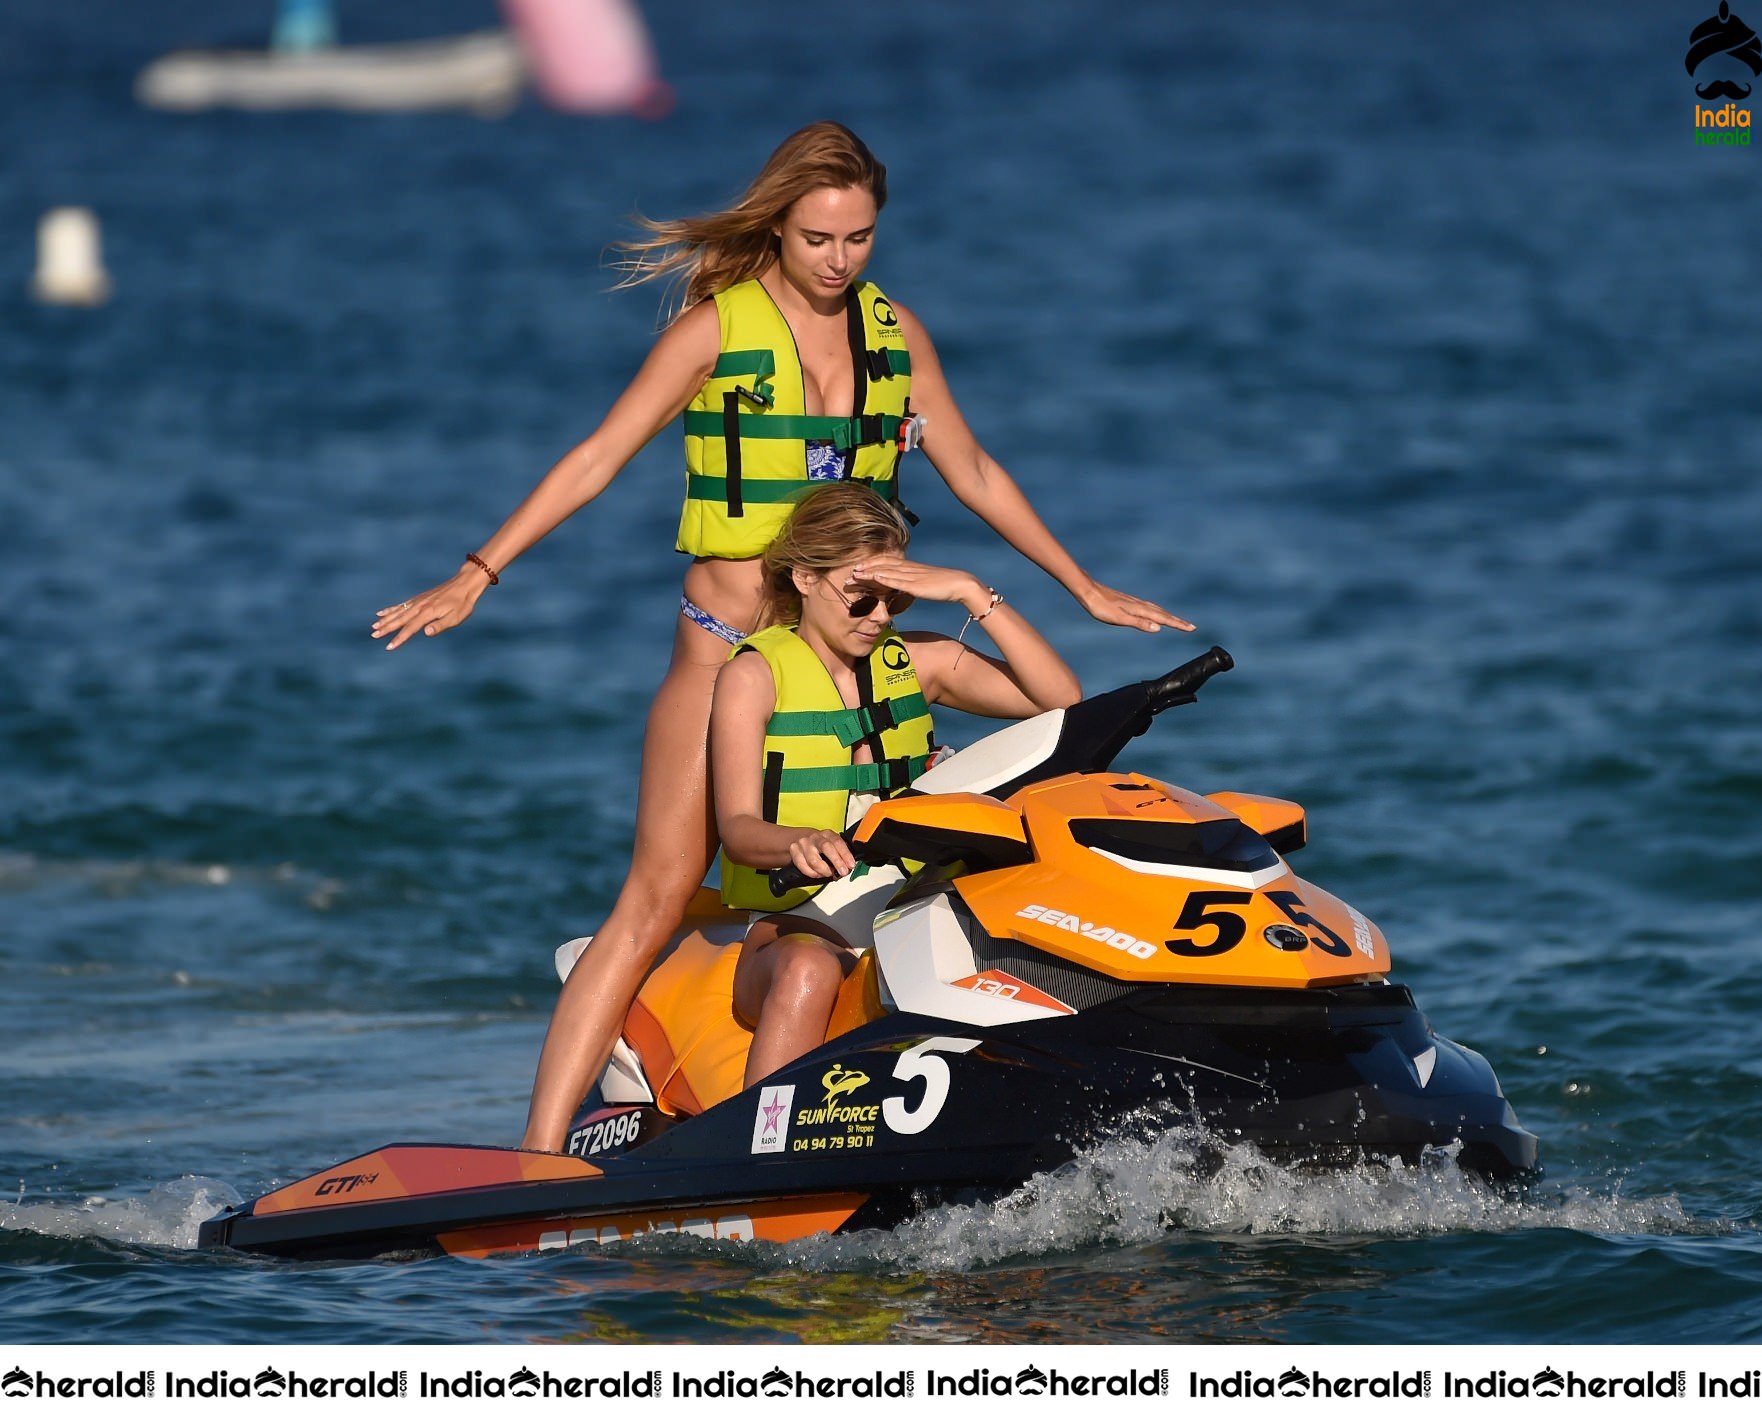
<point>827,464</point>
<point>715,625</point>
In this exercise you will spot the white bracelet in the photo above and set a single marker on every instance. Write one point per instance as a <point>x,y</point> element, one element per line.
<point>972,620</point>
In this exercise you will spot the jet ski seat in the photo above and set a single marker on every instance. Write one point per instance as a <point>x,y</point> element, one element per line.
<point>682,1026</point>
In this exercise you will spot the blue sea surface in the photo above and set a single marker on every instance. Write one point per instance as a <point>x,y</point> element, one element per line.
<point>1410,351</point>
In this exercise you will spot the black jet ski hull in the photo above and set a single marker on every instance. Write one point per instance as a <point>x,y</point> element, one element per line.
<point>908,1110</point>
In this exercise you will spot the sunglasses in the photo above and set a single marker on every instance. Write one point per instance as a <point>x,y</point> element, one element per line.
<point>860,606</point>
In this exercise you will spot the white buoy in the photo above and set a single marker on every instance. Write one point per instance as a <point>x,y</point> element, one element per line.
<point>70,262</point>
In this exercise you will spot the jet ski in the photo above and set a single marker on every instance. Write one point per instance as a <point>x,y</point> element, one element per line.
<point>1077,954</point>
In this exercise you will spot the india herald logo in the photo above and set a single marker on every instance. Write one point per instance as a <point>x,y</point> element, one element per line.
<point>1728,42</point>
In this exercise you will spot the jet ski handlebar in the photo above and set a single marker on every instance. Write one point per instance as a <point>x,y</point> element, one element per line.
<point>1181,685</point>
<point>1091,733</point>
<point>788,877</point>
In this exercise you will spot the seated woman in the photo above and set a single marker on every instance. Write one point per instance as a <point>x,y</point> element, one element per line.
<point>820,711</point>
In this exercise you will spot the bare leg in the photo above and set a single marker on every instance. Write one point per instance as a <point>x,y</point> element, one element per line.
<point>788,984</point>
<point>675,839</point>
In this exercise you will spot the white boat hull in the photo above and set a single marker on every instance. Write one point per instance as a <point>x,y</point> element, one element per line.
<point>483,72</point>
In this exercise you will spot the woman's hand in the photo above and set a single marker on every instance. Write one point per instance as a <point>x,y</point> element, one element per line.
<point>822,854</point>
<point>1116,608</point>
<point>921,580</point>
<point>438,609</point>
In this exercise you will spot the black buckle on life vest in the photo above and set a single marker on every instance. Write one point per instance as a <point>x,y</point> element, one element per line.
<point>879,368</point>
<point>880,716</point>
<point>869,430</point>
<point>897,773</point>
<point>754,396</point>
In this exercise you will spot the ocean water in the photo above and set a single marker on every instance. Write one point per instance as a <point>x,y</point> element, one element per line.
<point>1408,350</point>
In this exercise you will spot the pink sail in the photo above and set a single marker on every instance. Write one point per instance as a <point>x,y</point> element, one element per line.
<point>590,56</point>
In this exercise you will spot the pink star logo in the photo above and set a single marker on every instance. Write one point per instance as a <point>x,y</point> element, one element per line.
<point>772,1110</point>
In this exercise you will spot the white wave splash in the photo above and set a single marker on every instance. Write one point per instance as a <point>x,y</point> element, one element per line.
<point>1131,1192</point>
<point>168,1216</point>
<point>1123,1193</point>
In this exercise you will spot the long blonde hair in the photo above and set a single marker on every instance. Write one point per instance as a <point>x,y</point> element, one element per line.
<point>832,525</point>
<point>704,255</point>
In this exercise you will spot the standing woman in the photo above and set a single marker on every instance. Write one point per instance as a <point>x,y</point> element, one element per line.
<point>789,370</point>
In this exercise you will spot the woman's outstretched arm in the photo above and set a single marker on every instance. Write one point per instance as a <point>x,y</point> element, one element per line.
<point>1032,677</point>
<point>674,371</point>
<point>980,482</point>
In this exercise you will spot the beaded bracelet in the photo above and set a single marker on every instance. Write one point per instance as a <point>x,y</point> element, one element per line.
<point>495,580</point>
<point>972,620</point>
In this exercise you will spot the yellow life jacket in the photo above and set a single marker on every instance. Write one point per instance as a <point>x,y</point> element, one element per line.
<point>809,776</point>
<point>747,431</point>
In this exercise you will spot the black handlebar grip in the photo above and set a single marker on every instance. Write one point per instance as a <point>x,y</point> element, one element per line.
<point>787,878</point>
<point>1182,683</point>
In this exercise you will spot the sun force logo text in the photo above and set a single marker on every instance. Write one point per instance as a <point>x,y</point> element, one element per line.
<point>838,1081</point>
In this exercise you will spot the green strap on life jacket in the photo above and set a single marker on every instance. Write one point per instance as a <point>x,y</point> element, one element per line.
<point>887,362</point>
<point>762,364</point>
<point>856,431</point>
<point>855,778</point>
<point>702,485</point>
<point>850,725</point>
<point>731,364</point>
